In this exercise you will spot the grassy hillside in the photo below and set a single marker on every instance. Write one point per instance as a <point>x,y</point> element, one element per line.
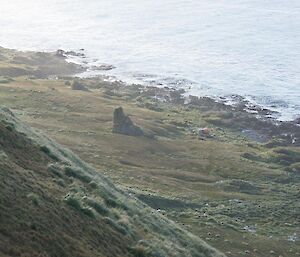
<point>238,189</point>
<point>54,204</point>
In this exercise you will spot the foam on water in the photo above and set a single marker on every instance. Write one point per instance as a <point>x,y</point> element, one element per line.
<point>211,47</point>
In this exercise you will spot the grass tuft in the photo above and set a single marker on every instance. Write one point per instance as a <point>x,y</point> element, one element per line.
<point>88,211</point>
<point>55,169</point>
<point>47,151</point>
<point>93,185</point>
<point>73,202</point>
<point>102,210</point>
<point>116,226</point>
<point>60,182</point>
<point>77,173</point>
<point>138,251</point>
<point>34,198</point>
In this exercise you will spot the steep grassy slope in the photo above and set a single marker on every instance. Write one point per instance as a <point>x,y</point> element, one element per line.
<point>53,204</point>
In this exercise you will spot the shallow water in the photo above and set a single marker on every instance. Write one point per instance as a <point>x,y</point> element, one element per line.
<point>211,47</point>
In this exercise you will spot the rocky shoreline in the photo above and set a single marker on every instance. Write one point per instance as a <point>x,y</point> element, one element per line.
<point>254,122</point>
<point>258,126</point>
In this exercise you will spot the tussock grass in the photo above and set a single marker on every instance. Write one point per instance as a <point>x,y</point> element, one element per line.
<point>77,173</point>
<point>116,226</point>
<point>97,206</point>
<point>55,169</point>
<point>139,251</point>
<point>93,185</point>
<point>75,203</point>
<point>34,198</point>
<point>60,182</point>
<point>88,211</point>
<point>47,151</point>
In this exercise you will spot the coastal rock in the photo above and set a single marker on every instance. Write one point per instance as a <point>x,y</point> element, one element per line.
<point>297,121</point>
<point>124,125</point>
<point>60,53</point>
<point>103,67</point>
<point>64,54</point>
<point>73,53</point>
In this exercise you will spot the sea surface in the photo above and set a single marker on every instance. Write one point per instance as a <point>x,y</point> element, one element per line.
<point>217,48</point>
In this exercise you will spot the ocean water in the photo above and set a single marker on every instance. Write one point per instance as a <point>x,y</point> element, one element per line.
<point>209,47</point>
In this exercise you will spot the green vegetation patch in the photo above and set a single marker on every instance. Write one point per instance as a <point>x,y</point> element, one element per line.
<point>75,203</point>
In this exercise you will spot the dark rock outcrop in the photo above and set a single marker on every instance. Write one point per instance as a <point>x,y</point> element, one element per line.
<point>124,125</point>
<point>64,54</point>
<point>103,67</point>
<point>79,86</point>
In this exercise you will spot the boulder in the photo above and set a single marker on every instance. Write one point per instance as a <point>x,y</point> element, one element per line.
<point>104,67</point>
<point>124,125</point>
<point>79,86</point>
<point>60,53</point>
<point>64,54</point>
